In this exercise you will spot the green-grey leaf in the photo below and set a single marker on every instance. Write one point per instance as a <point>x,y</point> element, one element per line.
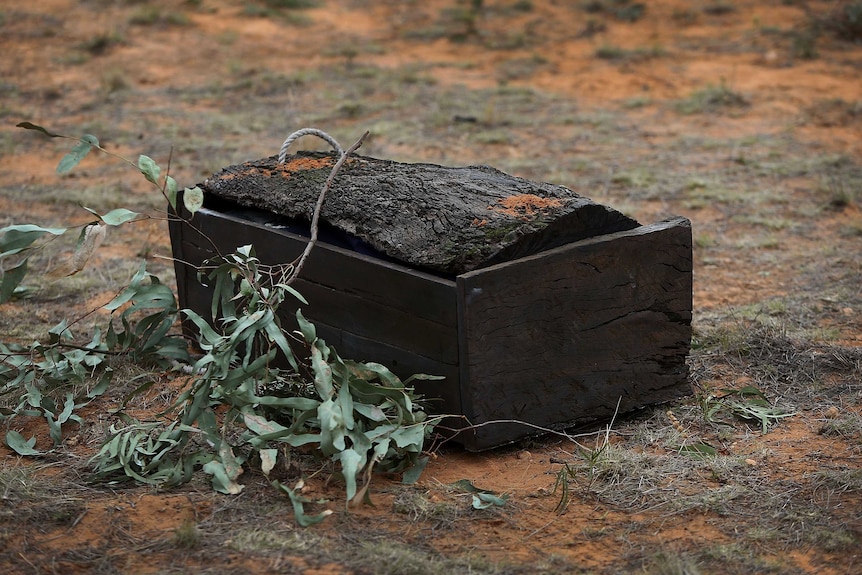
<point>12,278</point>
<point>21,446</point>
<point>484,500</point>
<point>119,216</point>
<point>14,239</point>
<point>297,501</point>
<point>322,374</point>
<point>171,191</point>
<point>411,475</point>
<point>78,153</point>
<point>225,472</point>
<point>260,425</point>
<point>193,199</point>
<point>149,168</point>
<point>351,463</point>
<point>409,436</point>
<point>67,409</point>
<point>309,333</point>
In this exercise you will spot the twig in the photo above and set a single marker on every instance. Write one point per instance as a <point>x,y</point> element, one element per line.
<point>570,437</point>
<point>342,157</point>
<point>21,555</point>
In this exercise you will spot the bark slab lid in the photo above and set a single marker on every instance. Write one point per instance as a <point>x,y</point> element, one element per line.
<point>447,220</point>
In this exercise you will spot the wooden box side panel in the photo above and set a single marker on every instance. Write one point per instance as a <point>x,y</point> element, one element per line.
<point>379,311</point>
<point>560,337</point>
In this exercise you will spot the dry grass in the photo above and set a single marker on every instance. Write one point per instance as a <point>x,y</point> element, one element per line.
<point>761,203</point>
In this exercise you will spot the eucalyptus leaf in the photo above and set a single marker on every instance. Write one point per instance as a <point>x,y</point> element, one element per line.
<point>351,466</point>
<point>222,480</point>
<point>10,281</point>
<point>20,445</point>
<point>322,374</point>
<point>171,191</point>
<point>484,500</point>
<point>193,199</point>
<point>119,216</point>
<point>298,502</point>
<point>412,474</point>
<point>16,238</point>
<point>306,327</point>
<point>149,168</point>
<point>78,153</point>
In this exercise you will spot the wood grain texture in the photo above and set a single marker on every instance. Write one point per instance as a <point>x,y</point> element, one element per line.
<point>558,338</point>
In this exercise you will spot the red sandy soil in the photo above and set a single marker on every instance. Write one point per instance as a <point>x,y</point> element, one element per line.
<point>780,86</point>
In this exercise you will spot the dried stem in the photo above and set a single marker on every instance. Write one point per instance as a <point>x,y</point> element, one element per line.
<point>342,157</point>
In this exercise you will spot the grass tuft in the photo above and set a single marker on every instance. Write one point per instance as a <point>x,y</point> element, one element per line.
<point>713,99</point>
<point>187,535</point>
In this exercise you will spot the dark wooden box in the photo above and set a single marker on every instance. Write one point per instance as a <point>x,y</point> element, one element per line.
<point>554,339</point>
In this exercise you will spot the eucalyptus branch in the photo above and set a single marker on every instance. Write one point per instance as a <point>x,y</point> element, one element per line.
<point>309,401</point>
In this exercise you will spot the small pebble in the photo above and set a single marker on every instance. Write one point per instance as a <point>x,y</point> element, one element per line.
<point>750,462</point>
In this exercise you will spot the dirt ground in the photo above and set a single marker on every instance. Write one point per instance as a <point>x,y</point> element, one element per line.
<point>745,117</point>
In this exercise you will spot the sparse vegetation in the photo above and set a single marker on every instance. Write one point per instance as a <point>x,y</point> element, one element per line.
<point>772,191</point>
<point>844,21</point>
<point>187,535</point>
<point>289,11</point>
<point>149,15</point>
<point>623,10</point>
<point>622,55</point>
<point>360,415</point>
<point>713,99</point>
<point>102,43</point>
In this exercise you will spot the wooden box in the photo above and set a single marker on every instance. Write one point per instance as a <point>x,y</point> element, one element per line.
<point>554,339</point>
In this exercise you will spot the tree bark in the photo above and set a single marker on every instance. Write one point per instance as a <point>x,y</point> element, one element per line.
<point>447,220</point>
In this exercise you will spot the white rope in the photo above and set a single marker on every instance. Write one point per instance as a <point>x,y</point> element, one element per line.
<point>282,154</point>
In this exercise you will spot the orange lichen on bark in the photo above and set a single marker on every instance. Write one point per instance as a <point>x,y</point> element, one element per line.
<point>301,164</point>
<point>525,205</point>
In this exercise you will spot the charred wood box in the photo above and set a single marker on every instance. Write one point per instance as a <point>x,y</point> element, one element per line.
<point>536,304</point>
